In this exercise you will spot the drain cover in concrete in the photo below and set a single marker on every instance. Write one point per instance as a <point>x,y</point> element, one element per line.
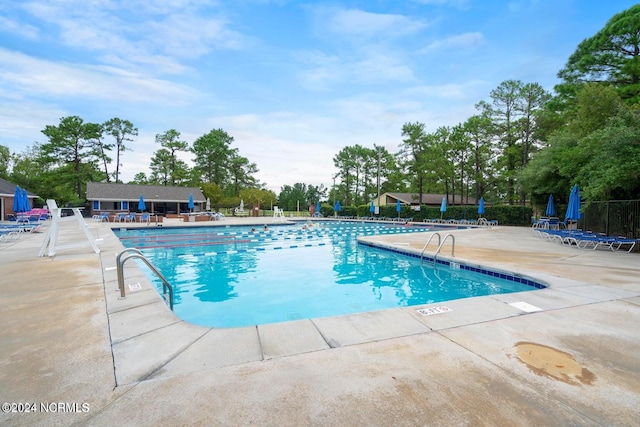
<point>135,286</point>
<point>520,305</point>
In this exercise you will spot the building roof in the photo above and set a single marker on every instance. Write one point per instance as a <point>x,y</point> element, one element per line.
<point>118,192</point>
<point>8,189</point>
<point>427,199</point>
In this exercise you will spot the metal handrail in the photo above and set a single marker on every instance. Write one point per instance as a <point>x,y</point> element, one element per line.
<point>453,246</point>
<point>429,241</point>
<point>120,260</point>
<point>121,270</point>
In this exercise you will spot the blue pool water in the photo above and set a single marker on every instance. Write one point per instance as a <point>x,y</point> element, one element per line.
<point>233,276</point>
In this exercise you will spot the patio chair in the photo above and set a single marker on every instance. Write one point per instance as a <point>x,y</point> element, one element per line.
<point>145,217</point>
<point>121,217</point>
<point>131,217</point>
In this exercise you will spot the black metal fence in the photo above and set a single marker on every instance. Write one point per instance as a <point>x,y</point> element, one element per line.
<point>613,218</point>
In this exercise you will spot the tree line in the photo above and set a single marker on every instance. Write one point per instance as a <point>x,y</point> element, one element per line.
<point>523,144</point>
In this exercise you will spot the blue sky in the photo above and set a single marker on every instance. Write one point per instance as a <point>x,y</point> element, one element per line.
<point>292,81</point>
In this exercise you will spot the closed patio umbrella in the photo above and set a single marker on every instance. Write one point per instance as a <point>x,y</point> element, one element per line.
<point>337,207</point>
<point>17,197</point>
<point>20,201</point>
<point>551,209</point>
<point>208,205</point>
<point>443,206</point>
<point>191,204</point>
<point>398,207</point>
<point>573,209</point>
<point>141,205</point>
<point>372,208</point>
<point>26,205</point>
<point>481,207</point>
<point>318,208</point>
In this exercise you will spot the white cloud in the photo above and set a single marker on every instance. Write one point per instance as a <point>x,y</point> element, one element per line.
<point>16,27</point>
<point>20,123</point>
<point>160,35</point>
<point>322,71</point>
<point>362,24</point>
<point>32,77</point>
<point>460,41</point>
<point>455,3</point>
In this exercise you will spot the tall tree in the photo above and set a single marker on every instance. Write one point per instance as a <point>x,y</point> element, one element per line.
<point>72,143</point>
<point>161,167</point>
<point>122,131</point>
<point>292,197</point>
<point>5,159</point>
<point>599,149</point>
<point>503,111</point>
<point>479,130</point>
<point>345,162</point>
<point>170,141</point>
<point>212,153</point>
<point>242,171</point>
<point>101,149</point>
<point>413,150</point>
<point>612,55</point>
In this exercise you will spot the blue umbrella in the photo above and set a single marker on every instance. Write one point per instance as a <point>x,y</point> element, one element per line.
<point>26,205</point>
<point>17,200</point>
<point>443,207</point>
<point>318,207</point>
<point>573,210</point>
<point>191,205</point>
<point>398,207</point>
<point>141,206</point>
<point>337,207</point>
<point>480,207</point>
<point>551,209</point>
<point>372,208</point>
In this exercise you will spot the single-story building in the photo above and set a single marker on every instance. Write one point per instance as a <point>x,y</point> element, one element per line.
<point>159,199</point>
<point>7,191</point>
<point>412,199</point>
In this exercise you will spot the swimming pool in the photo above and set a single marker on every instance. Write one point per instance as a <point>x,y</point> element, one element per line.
<point>236,276</point>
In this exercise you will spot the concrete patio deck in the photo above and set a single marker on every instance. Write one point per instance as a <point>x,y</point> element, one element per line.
<point>75,354</point>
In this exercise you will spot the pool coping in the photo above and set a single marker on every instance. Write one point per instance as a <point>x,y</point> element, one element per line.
<point>366,239</point>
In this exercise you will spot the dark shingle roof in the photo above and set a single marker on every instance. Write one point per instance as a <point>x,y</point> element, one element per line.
<point>118,192</point>
<point>430,199</point>
<point>8,189</point>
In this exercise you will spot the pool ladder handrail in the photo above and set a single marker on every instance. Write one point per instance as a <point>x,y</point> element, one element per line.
<point>121,259</point>
<point>441,243</point>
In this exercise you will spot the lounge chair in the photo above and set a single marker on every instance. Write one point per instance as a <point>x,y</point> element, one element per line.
<point>619,242</point>
<point>131,217</point>
<point>121,217</point>
<point>7,235</point>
